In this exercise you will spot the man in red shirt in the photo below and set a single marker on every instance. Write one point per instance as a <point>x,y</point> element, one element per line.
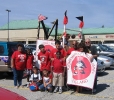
<point>43,56</point>
<point>18,64</point>
<point>73,48</point>
<point>58,48</point>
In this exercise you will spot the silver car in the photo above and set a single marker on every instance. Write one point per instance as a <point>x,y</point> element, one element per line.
<point>101,66</point>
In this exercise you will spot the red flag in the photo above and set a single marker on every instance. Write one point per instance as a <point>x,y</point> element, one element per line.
<point>81,24</point>
<point>41,17</point>
<point>65,20</point>
<point>81,21</point>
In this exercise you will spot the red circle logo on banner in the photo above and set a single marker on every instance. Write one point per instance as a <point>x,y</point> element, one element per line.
<point>49,48</point>
<point>81,68</point>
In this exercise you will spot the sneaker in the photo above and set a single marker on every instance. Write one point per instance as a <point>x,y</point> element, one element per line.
<point>55,90</point>
<point>21,86</point>
<point>46,91</point>
<point>94,90</point>
<point>16,87</point>
<point>27,85</point>
<point>60,91</point>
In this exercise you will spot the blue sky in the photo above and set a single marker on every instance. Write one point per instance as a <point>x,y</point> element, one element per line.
<point>96,12</point>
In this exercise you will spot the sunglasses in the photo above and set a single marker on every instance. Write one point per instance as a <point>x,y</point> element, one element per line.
<point>73,44</point>
<point>87,42</point>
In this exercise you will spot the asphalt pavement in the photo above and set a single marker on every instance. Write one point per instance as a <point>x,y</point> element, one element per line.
<point>105,89</point>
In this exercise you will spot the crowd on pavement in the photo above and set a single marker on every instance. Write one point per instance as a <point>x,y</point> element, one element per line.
<point>52,74</point>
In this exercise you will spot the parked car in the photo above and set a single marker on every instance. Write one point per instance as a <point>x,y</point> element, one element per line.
<point>107,61</point>
<point>100,66</point>
<point>8,95</point>
<point>32,45</point>
<point>110,45</point>
<point>6,51</point>
<point>104,50</point>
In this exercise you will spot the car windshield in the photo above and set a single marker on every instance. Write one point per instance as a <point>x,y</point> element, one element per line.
<point>11,48</point>
<point>29,47</point>
<point>105,48</point>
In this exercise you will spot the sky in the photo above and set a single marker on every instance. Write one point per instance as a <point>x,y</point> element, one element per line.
<point>95,12</point>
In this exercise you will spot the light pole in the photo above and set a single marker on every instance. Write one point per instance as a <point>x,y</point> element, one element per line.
<point>8,22</point>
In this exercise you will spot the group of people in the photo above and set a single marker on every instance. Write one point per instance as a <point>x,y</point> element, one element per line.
<point>52,72</point>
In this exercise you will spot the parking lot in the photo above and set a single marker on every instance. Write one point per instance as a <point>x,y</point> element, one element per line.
<point>105,90</point>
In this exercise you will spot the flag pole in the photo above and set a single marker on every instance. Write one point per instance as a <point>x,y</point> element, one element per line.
<point>65,21</point>
<point>64,30</point>
<point>81,35</point>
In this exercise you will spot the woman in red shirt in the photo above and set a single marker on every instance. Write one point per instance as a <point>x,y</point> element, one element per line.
<point>18,64</point>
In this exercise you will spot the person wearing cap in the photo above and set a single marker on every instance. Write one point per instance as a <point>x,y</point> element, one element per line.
<point>66,41</point>
<point>66,46</point>
<point>18,64</point>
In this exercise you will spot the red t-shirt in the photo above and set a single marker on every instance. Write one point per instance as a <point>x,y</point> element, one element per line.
<point>58,65</point>
<point>53,53</point>
<point>29,64</point>
<point>70,50</point>
<point>45,61</point>
<point>19,60</point>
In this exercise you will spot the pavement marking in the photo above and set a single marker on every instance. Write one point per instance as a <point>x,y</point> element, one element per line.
<point>79,94</point>
<point>14,87</point>
<point>106,81</point>
<point>67,92</point>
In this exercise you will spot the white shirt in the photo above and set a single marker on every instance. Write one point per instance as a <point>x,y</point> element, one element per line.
<point>35,77</point>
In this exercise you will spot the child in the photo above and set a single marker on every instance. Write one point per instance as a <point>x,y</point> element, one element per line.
<point>36,77</point>
<point>43,56</point>
<point>47,80</point>
<point>58,70</point>
<point>29,64</point>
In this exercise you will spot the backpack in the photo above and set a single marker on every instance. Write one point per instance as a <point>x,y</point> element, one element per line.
<point>33,87</point>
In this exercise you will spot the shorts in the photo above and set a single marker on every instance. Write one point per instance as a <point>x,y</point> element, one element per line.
<point>58,79</point>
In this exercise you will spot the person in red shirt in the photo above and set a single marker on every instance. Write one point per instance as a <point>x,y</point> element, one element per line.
<point>18,64</point>
<point>58,48</point>
<point>58,70</point>
<point>43,56</point>
<point>73,48</point>
<point>29,64</point>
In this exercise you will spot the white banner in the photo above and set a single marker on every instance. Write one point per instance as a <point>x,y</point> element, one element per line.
<point>49,45</point>
<point>80,71</point>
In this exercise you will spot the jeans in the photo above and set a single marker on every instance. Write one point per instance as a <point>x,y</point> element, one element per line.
<point>41,87</point>
<point>18,75</point>
<point>38,84</point>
